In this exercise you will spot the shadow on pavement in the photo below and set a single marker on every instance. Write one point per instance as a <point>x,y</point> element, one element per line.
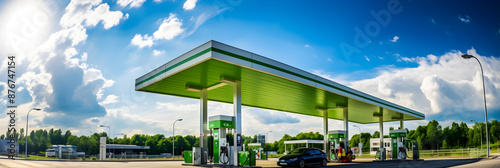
<point>413,164</point>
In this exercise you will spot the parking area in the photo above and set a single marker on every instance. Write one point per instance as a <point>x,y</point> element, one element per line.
<point>434,162</point>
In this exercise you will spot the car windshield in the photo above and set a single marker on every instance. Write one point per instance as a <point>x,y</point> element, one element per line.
<point>299,151</point>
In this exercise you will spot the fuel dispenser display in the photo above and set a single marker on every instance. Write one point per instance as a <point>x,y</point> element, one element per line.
<point>398,138</point>
<point>220,125</point>
<point>340,151</point>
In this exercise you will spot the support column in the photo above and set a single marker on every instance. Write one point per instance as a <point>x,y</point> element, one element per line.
<point>326,145</point>
<point>237,122</point>
<point>203,125</point>
<point>401,125</point>
<point>346,126</point>
<point>381,128</point>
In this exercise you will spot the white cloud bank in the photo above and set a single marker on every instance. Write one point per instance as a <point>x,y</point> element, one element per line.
<point>78,12</point>
<point>57,77</point>
<point>447,86</point>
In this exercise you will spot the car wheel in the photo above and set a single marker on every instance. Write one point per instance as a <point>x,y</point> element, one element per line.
<point>302,164</point>
<point>324,162</point>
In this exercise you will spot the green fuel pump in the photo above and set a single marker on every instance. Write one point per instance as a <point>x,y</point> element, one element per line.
<point>340,151</point>
<point>399,140</point>
<point>221,124</point>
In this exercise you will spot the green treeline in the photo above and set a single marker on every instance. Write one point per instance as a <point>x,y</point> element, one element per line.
<point>430,136</point>
<point>433,136</point>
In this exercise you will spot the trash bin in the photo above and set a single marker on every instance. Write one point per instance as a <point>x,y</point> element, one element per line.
<point>188,156</point>
<point>246,158</point>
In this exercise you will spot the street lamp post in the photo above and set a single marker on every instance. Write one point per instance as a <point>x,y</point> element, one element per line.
<point>109,133</point>
<point>109,129</point>
<point>173,138</point>
<point>265,144</point>
<point>26,143</point>
<point>360,149</point>
<point>114,142</point>
<point>466,56</point>
<point>480,133</point>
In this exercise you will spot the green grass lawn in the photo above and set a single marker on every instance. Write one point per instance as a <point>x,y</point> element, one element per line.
<point>39,157</point>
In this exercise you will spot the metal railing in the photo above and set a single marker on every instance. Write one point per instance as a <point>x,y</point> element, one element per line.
<point>470,152</point>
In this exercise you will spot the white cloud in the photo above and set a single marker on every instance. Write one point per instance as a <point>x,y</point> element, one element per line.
<point>142,41</point>
<point>446,86</point>
<point>329,59</point>
<point>307,45</point>
<point>109,100</point>
<point>189,4</point>
<point>78,12</point>
<point>132,3</point>
<point>394,39</point>
<point>102,13</point>
<point>367,59</point>
<point>202,18</point>
<point>169,28</point>
<point>58,78</point>
<point>158,52</point>
<point>465,19</point>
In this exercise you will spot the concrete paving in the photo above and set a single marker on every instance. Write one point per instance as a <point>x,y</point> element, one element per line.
<point>359,162</point>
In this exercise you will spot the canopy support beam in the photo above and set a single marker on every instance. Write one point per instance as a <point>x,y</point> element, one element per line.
<point>381,129</point>
<point>237,122</point>
<point>203,124</point>
<point>325,133</point>
<point>401,124</point>
<point>346,127</point>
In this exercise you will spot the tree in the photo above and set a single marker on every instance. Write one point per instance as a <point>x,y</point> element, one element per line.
<point>376,134</point>
<point>434,134</point>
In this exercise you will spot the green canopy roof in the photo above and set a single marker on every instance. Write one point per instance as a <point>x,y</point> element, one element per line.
<point>267,84</point>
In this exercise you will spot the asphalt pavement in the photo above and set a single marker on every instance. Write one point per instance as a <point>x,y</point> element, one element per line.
<point>494,161</point>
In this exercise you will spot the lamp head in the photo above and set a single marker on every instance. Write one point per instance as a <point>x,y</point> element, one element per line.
<point>467,56</point>
<point>471,120</point>
<point>180,119</point>
<point>102,126</point>
<point>37,109</point>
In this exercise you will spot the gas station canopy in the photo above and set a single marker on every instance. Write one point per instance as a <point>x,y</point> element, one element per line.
<point>267,84</point>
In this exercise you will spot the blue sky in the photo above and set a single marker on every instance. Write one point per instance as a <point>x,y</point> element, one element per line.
<point>78,60</point>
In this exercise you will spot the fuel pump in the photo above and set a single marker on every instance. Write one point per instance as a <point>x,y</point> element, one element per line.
<point>221,124</point>
<point>398,138</point>
<point>340,151</point>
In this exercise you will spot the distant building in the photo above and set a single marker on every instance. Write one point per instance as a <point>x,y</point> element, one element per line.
<point>5,146</point>
<point>120,150</point>
<point>375,145</point>
<point>62,151</point>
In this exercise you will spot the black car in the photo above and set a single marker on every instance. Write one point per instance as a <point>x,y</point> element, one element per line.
<point>302,157</point>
